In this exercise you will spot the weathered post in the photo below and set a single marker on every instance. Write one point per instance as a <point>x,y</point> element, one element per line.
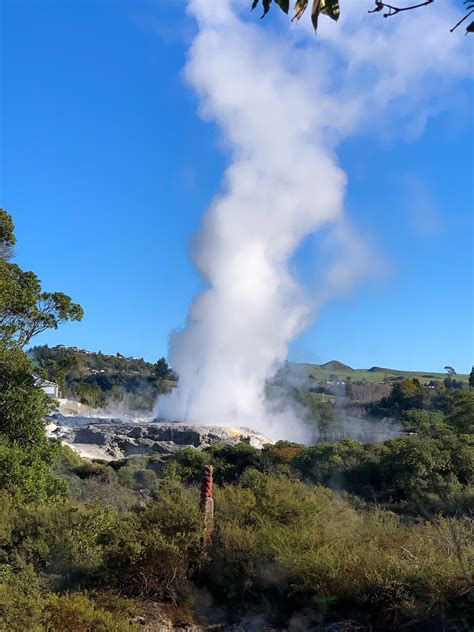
<point>207,505</point>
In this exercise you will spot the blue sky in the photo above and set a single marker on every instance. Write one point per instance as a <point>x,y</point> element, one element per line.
<point>107,169</point>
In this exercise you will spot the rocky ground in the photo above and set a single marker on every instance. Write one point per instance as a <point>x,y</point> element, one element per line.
<point>111,438</point>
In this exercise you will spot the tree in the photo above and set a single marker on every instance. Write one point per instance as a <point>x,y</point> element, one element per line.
<point>162,369</point>
<point>471,378</point>
<point>7,237</point>
<point>90,394</point>
<point>25,310</point>
<point>449,370</point>
<point>331,9</point>
<point>349,390</point>
<point>461,415</point>
<point>418,468</point>
<point>425,421</point>
<point>28,471</point>
<point>58,369</point>
<point>407,394</point>
<point>22,403</point>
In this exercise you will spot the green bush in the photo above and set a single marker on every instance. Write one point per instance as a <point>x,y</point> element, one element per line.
<point>28,471</point>
<point>152,553</point>
<point>290,545</point>
<point>24,607</point>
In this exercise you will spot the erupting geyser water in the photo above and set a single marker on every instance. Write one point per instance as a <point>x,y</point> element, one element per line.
<point>281,115</point>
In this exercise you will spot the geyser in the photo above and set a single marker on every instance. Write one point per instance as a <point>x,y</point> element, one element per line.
<point>281,115</point>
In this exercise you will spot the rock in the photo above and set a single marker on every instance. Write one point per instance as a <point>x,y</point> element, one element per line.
<point>90,435</point>
<point>111,438</point>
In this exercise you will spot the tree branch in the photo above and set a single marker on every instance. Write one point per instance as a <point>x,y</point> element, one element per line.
<point>379,6</point>
<point>461,21</point>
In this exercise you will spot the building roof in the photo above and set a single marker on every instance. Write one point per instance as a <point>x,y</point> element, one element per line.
<point>43,383</point>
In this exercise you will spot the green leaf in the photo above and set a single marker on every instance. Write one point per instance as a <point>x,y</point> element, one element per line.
<point>300,8</point>
<point>284,5</point>
<point>266,7</point>
<point>330,8</point>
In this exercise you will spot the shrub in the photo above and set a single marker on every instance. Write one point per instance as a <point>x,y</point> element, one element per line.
<point>288,545</point>
<point>152,553</point>
<point>28,472</point>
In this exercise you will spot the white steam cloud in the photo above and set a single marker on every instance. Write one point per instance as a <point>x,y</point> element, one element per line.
<point>283,106</point>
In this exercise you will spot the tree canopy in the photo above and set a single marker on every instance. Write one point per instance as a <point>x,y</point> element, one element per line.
<point>7,237</point>
<point>25,310</point>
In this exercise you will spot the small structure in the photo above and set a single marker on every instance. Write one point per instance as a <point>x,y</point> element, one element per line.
<point>50,388</point>
<point>207,506</point>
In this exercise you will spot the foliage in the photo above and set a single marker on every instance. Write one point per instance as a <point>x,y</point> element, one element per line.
<point>25,310</point>
<point>420,474</point>
<point>425,421</point>
<point>7,235</point>
<point>405,395</point>
<point>284,544</point>
<point>151,553</point>
<point>27,457</point>
<point>280,545</point>
<point>28,472</point>
<point>318,414</point>
<point>22,403</point>
<point>162,370</point>
<point>332,10</point>
<point>326,7</point>
<point>57,369</point>
<point>461,416</point>
<point>27,608</point>
<point>89,394</point>
<point>98,380</point>
<point>428,474</point>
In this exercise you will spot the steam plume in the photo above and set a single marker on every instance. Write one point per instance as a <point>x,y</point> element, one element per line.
<point>281,114</point>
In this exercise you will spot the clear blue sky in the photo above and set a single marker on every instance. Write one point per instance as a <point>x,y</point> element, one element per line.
<point>107,169</point>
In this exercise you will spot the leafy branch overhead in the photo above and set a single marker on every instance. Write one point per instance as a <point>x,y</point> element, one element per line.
<point>25,310</point>
<point>326,7</point>
<point>332,10</point>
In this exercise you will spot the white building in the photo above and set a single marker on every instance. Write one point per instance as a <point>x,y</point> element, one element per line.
<point>50,388</point>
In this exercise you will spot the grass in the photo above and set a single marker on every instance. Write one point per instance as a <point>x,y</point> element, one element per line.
<point>322,373</point>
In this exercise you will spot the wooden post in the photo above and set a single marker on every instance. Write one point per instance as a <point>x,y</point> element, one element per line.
<point>207,505</point>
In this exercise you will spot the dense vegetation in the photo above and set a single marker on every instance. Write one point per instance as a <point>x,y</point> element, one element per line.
<point>365,536</point>
<point>290,542</point>
<point>99,380</point>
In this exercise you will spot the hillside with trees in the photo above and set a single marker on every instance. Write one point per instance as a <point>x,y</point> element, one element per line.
<point>99,380</point>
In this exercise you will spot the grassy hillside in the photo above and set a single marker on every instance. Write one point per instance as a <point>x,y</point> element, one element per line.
<point>373,374</point>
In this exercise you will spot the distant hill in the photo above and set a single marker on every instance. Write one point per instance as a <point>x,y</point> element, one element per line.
<point>374,374</point>
<point>335,365</point>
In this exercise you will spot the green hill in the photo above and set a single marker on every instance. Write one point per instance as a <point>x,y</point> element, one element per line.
<point>335,365</point>
<point>374,374</point>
